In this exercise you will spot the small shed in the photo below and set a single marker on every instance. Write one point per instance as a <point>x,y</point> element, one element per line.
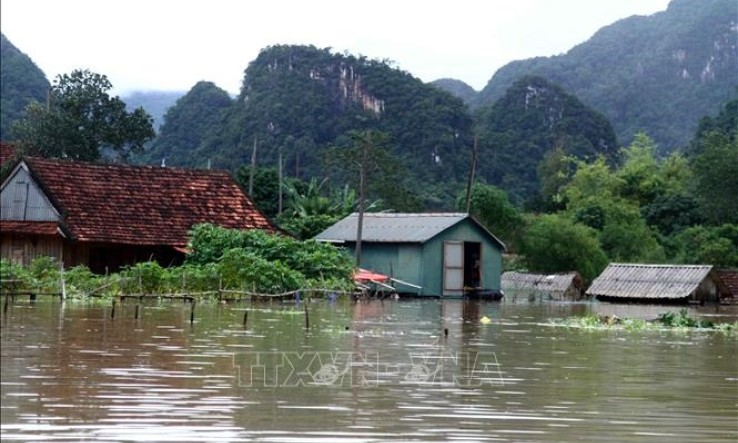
<point>561,286</point>
<point>439,254</point>
<point>658,283</point>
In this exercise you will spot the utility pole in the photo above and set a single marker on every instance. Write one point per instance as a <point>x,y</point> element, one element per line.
<point>253,170</point>
<point>471,175</point>
<point>279,169</point>
<point>365,145</point>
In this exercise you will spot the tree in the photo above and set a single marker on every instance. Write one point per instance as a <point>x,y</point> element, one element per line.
<point>717,246</point>
<point>554,243</point>
<point>716,173</point>
<point>80,121</point>
<point>311,208</point>
<point>386,177</point>
<point>492,208</point>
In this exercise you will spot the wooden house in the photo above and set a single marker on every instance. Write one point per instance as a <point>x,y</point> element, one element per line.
<point>658,283</point>
<point>438,254</point>
<point>729,277</point>
<point>107,216</point>
<point>561,286</point>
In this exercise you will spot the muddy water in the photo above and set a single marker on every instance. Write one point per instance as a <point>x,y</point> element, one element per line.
<point>416,370</point>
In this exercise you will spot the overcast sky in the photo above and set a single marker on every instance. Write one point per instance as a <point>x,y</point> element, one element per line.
<point>173,44</point>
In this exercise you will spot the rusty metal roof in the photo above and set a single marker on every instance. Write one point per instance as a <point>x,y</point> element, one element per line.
<point>396,227</point>
<point>624,280</point>
<point>519,281</point>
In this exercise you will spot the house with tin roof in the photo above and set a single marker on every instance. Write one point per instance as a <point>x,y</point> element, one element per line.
<point>658,283</point>
<point>432,254</point>
<point>107,216</point>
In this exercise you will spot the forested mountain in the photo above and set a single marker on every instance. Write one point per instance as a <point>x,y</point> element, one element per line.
<point>21,82</point>
<point>659,74</point>
<point>155,103</point>
<point>301,101</point>
<point>185,124</point>
<point>528,122</point>
<point>457,88</point>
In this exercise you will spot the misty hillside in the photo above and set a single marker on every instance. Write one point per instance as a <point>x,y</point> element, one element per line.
<point>155,103</point>
<point>457,88</point>
<point>21,82</point>
<point>659,74</point>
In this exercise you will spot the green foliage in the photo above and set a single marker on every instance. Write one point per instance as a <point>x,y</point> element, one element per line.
<point>640,180</point>
<point>683,320</point>
<point>14,277</point>
<point>553,243</point>
<point>186,123</point>
<point>22,83</point>
<point>668,320</point>
<point>192,278</point>
<point>491,207</point>
<point>646,73</point>
<point>143,278</point>
<point>716,171</point>
<point>300,101</point>
<point>311,208</point>
<point>554,172</point>
<point>386,176</point>
<point>533,118</point>
<point>311,259</point>
<point>80,120</point>
<point>306,227</point>
<point>717,246</point>
<point>79,280</point>
<point>266,188</point>
<point>671,213</point>
<point>241,268</point>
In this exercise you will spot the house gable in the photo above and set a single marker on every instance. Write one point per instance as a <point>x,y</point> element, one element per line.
<point>22,199</point>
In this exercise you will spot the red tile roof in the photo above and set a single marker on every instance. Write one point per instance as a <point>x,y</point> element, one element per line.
<point>30,227</point>
<point>7,153</point>
<point>143,205</point>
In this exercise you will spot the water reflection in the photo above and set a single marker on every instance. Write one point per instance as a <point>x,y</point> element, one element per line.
<point>373,371</point>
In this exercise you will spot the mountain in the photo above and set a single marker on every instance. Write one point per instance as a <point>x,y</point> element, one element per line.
<point>529,121</point>
<point>155,103</point>
<point>186,122</point>
<point>302,101</point>
<point>659,74</point>
<point>457,88</point>
<point>21,82</point>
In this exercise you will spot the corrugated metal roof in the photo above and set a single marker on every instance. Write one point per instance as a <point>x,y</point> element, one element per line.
<point>625,280</point>
<point>519,281</point>
<point>394,227</point>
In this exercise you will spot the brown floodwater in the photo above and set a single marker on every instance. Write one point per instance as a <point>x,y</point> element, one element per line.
<point>409,370</point>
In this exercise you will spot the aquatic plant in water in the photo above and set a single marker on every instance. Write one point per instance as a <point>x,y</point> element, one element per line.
<point>666,320</point>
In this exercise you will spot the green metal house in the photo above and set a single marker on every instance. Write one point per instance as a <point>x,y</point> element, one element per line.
<point>439,254</point>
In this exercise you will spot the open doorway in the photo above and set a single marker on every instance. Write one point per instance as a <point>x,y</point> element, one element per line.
<point>472,265</point>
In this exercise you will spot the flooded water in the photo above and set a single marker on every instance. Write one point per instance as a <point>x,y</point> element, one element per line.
<point>416,370</point>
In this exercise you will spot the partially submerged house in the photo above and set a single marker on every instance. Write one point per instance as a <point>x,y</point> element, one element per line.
<point>729,277</point>
<point>658,283</point>
<point>107,216</point>
<point>438,254</point>
<point>561,286</point>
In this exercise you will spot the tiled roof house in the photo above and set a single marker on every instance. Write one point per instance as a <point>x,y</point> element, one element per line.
<point>107,216</point>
